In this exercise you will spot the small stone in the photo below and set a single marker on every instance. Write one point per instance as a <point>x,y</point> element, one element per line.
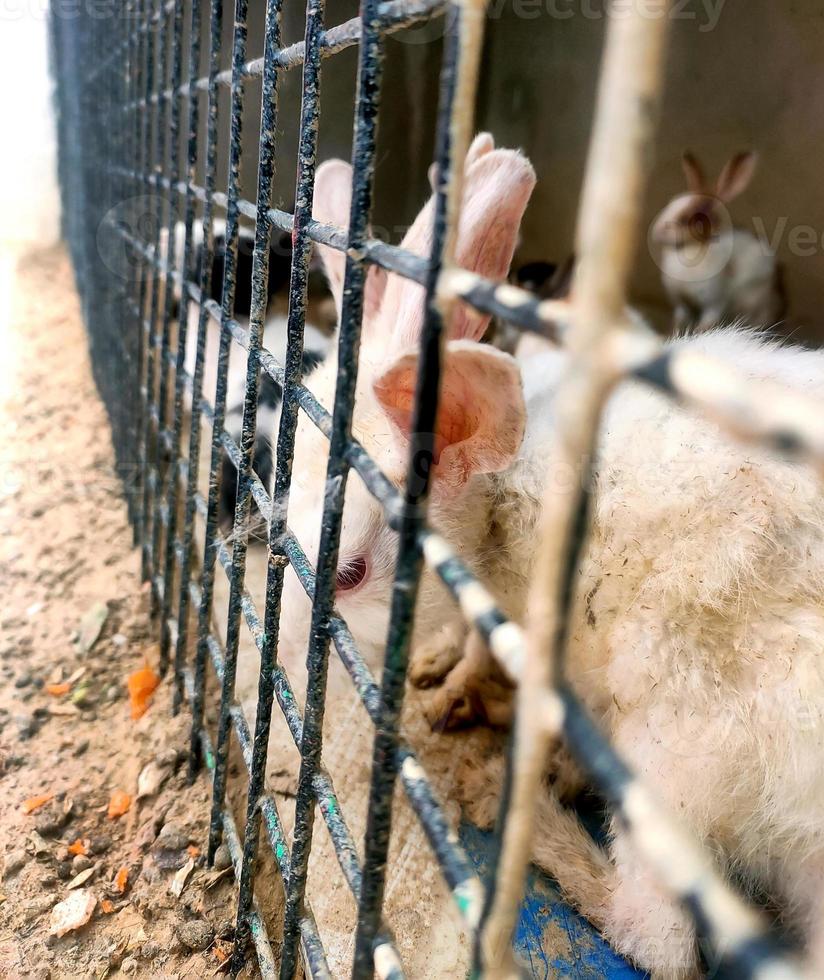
<point>195,934</point>
<point>172,838</point>
<point>149,872</point>
<point>88,716</point>
<point>37,906</point>
<point>26,724</point>
<point>113,693</point>
<point>223,859</point>
<point>14,861</point>
<point>150,950</point>
<point>64,870</point>
<point>100,844</point>
<point>81,863</point>
<point>49,824</point>
<point>81,747</point>
<point>128,966</point>
<point>62,853</point>
<point>23,680</point>
<point>120,640</point>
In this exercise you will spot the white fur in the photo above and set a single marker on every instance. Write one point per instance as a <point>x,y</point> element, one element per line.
<point>697,626</point>
<point>696,638</point>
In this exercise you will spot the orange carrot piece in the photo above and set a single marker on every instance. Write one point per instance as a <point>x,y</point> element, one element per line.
<point>58,690</point>
<point>121,879</point>
<point>119,803</point>
<point>107,906</point>
<point>35,802</point>
<point>141,685</point>
<point>79,847</point>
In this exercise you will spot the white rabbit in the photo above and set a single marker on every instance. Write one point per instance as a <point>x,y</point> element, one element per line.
<point>481,417</point>
<point>697,632</point>
<point>316,344</point>
<point>713,272</point>
<point>697,643</point>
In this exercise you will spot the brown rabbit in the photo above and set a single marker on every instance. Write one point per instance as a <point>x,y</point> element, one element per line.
<point>713,272</point>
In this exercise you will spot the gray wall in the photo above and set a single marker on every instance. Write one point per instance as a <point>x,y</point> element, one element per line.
<point>740,73</point>
<point>745,74</point>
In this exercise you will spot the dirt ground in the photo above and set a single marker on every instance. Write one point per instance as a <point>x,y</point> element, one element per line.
<point>73,627</point>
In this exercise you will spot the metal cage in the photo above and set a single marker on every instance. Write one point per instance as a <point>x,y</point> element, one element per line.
<point>130,112</point>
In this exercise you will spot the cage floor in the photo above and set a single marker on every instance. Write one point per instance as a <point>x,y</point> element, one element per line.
<point>551,939</point>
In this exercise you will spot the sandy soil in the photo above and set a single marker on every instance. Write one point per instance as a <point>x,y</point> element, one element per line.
<point>68,573</point>
<point>74,614</point>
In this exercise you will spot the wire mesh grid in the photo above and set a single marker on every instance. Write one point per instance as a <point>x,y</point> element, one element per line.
<point>125,101</point>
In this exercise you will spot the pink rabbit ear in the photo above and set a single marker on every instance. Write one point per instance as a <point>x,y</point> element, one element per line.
<point>736,175</point>
<point>482,144</point>
<point>481,414</point>
<point>333,196</point>
<point>497,187</point>
<point>694,173</point>
<point>331,204</point>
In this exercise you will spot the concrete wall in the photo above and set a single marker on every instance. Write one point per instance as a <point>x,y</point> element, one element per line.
<point>29,206</point>
<point>740,73</point>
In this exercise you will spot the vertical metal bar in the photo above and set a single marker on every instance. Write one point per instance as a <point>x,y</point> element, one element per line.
<point>608,224</point>
<point>301,250</point>
<point>205,283</point>
<point>226,309</point>
<point>363,161</point>
<point>173,485</point>
<point>137,282</point>
<point>458,78</point>
<point>152,136</point>
<point>260,292</point>
<point>171,125</point>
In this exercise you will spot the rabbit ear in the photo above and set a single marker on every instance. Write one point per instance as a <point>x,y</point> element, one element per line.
<point>497,187</point>
<point>331,205</point>
<point>736,175</point>
<point>694,173</point>
<point>333,197</point>
<point>482,143</point>
<point>481,413</point>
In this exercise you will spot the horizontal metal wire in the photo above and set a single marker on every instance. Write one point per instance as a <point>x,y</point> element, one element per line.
<point>394,16</point>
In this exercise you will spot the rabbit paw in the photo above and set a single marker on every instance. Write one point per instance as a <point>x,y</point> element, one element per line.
<point>432,661</point>
<point>468,698</point>
<point>479,786</point>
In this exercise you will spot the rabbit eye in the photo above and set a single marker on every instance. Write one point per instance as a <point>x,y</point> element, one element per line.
<point>351,573</point>
<point>700,226</point>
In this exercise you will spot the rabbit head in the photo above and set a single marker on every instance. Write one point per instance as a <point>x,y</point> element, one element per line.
<point>698,217</point>
<point>481,416</point>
